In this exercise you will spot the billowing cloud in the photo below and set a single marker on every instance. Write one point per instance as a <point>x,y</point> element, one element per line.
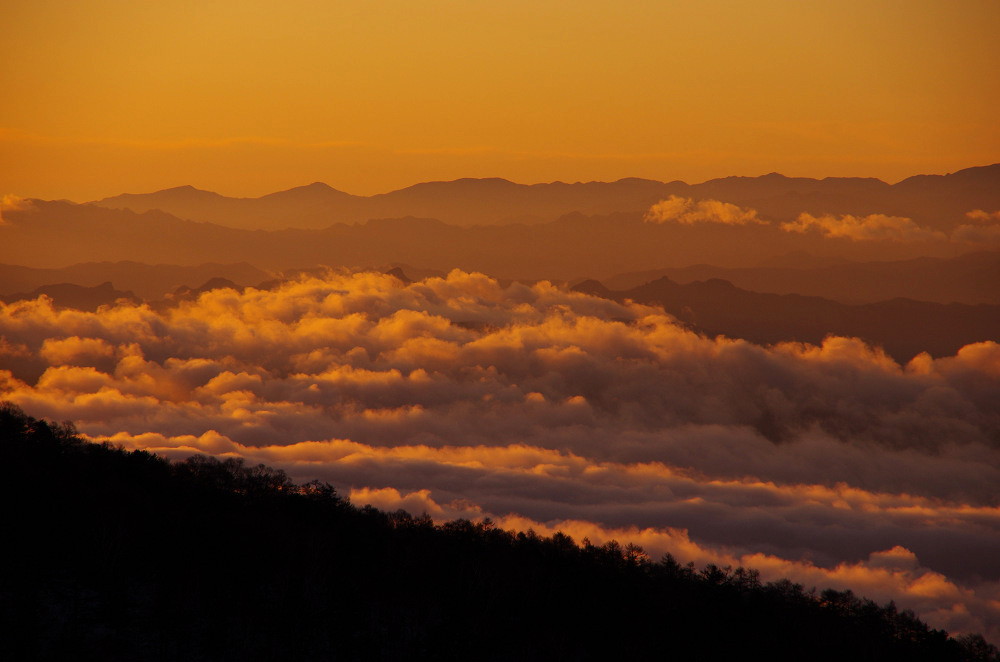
<point>874,227</point>
<point>831,464</point>
<point>686,211</point>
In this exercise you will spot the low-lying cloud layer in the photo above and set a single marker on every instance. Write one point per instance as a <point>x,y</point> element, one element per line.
<point>982,230</point>
<point>831,465</point>
<point>874,227</point>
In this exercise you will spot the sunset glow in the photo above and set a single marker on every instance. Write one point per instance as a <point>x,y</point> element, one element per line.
<point>719,279</point>
<point>254,96</point>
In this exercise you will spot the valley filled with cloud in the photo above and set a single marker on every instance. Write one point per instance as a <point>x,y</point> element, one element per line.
<point>831,464</point>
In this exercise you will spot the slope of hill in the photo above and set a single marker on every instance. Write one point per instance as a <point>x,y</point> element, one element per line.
<point>122,556</point>
<point>903,327</point>
<point>937,201</point>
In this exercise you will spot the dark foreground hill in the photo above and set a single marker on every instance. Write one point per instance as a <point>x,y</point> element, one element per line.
<point>117,555</point>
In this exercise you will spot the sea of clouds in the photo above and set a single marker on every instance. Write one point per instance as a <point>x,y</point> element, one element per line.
<point>542,408</point>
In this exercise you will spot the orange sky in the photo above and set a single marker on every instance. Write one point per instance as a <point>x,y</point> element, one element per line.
<point>247,97</point>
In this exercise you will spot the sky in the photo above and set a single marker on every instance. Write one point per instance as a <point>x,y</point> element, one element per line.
<point>252,96</point>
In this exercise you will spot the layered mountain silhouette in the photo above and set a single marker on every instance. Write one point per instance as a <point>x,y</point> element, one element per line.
<point>970,278</point>
<point>903,327</point>
<point>54,234</point>
<point>69,295</point>
<point>418,226</point>
<point>938,201</point>
<point>148,281</point>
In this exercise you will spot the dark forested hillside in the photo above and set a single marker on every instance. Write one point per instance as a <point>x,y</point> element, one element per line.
<point>120,555</point>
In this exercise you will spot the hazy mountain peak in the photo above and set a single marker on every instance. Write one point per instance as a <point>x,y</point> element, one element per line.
<point>398,272</point>
<point>186,189</point>
<point>592,287</point>
<point>315,187</point>
<point>181,195</point>
<point>637,180</point>
<point>769,178</point>
<point>477,183</point>
<point>988,175</point>
<point>315,191</point>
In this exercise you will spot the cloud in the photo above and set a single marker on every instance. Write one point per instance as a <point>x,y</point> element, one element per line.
<point>686,211</point>
<point>890,574</point>
<point>77,351</point>
<point>984,229</point>
<point>547,408</point>
<point>980,216</point>
<point>874,227</point>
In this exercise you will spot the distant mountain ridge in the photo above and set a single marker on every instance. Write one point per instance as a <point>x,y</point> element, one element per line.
<point>53,234</point>
<point>938,201</point>
<point>148,281</point>
<point>903,327</point>
<point>70,295</point>
<point>970,278</point>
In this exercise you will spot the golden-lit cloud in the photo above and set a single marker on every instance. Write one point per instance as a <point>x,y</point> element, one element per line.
<point>539,407</point>
<point>874,227</point>
<point>686,211</point>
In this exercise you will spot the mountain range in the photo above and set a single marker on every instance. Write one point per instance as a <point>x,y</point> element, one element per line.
<point>937,201</point>
<point>70,295</point>
<point>902,327</point>
<point>57,233</point>
<point>147,281</point>
<point>970,278</point>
